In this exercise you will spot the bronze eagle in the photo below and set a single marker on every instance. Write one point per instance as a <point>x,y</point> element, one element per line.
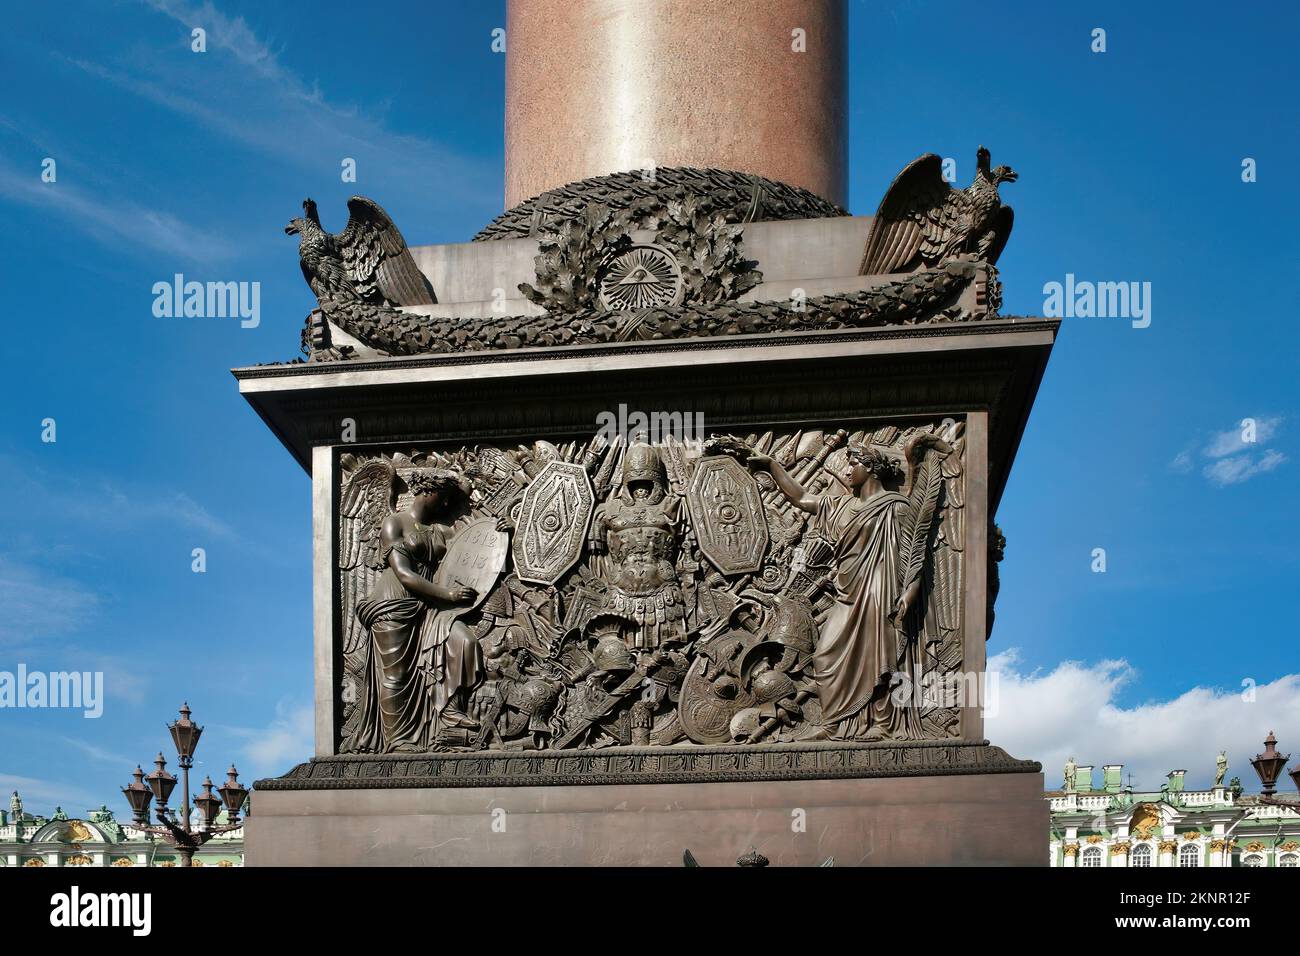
<point>368,261</point>
<point>923,221</point>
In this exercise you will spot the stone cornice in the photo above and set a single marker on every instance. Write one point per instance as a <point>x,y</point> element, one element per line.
<point>652,765</point>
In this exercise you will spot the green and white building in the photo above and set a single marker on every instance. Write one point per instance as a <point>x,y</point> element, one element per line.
<point>1118,826</point>
<point>99,840</point>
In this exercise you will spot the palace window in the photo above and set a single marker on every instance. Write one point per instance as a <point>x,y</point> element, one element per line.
<point>1289,859</point>
<point>1091,856</point>
<point>1189,855</point>
<point>1254,859</point>
<point>1141,855</point>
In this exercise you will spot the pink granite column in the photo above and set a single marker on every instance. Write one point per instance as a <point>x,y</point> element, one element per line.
<point>603,86</point>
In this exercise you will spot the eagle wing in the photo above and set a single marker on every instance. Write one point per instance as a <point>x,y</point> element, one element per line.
<point>911,219</point>
<point>1000,232</point>
<point>378,260</point>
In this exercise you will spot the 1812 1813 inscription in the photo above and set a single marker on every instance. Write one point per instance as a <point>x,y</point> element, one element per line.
<point>746,589</point>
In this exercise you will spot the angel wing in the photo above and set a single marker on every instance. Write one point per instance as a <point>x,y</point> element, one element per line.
<point>376,256</point>
<point>367,500</point>
<point>914,219</point>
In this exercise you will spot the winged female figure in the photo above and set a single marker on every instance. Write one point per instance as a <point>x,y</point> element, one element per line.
<point>880,539</point>
<point>421,662</point>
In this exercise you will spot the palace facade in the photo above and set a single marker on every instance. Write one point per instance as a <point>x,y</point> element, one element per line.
<point>1115,825</point>
<point>99,840</point>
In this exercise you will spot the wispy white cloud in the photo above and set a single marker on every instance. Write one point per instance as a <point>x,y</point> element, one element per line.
<point>111,221</point>
<point>287,740</point>
<point>40,797</point>
<point>110,504</point>
<point>236,37</point>
<point>1072,710</point>
<point>150,507</point>
<point>1239,468</point>
<point>95,752</point>
<point>1236,454</point>
<point>39,605</point>
<point>259,101</point>
<point>1245,437</point>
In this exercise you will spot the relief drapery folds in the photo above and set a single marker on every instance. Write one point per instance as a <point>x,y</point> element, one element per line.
<point>772,587</point>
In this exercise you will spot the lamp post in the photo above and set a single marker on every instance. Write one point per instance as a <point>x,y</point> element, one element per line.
<point>1268,765</point>
<point>157,787</point>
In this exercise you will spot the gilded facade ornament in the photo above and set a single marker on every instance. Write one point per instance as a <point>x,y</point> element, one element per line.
<point>1254,846</point>
<point>1145,821</point>
<point>78,832</point>
<point>123,861</point>
<point>1192,835</point>
<point>1120,848</point>
<point>1167,846</point>
<point>1071,849</point>
<point>1096,838</point>
<point>1218,846</point>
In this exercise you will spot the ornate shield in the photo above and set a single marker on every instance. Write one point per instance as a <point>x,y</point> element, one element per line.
<point>476,556</point>
<point>708,703</point>
<point>552,524</point>
<point>727,509</point>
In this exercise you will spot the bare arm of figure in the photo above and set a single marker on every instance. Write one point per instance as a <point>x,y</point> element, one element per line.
<point>409,577</point>
<point>793,491</point>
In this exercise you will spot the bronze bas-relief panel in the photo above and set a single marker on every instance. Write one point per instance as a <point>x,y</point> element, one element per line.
<point>760,590</point>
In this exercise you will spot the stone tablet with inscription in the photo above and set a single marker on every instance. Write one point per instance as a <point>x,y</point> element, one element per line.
<point>475,558</point>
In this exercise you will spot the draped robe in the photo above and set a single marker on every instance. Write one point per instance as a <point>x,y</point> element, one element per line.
<point>857,648</point>
<point>416,660</point>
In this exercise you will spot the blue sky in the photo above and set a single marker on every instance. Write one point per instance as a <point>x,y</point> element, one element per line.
<point>170,161</point>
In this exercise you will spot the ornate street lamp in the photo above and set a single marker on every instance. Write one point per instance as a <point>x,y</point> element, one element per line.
<point>138,796</point>
<point>157,787</point>
<point>1269,766</point>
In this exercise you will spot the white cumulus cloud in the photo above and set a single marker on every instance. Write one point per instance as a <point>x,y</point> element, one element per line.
<point>1072,711</point>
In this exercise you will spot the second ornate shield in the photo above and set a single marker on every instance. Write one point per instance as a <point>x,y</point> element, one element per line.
<point>552,525</point>
<point>728,513</point>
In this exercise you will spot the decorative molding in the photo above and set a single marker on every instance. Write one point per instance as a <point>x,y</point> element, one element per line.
<point>651,765</point>
<point>930,295</point>
<point>743,197</point>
